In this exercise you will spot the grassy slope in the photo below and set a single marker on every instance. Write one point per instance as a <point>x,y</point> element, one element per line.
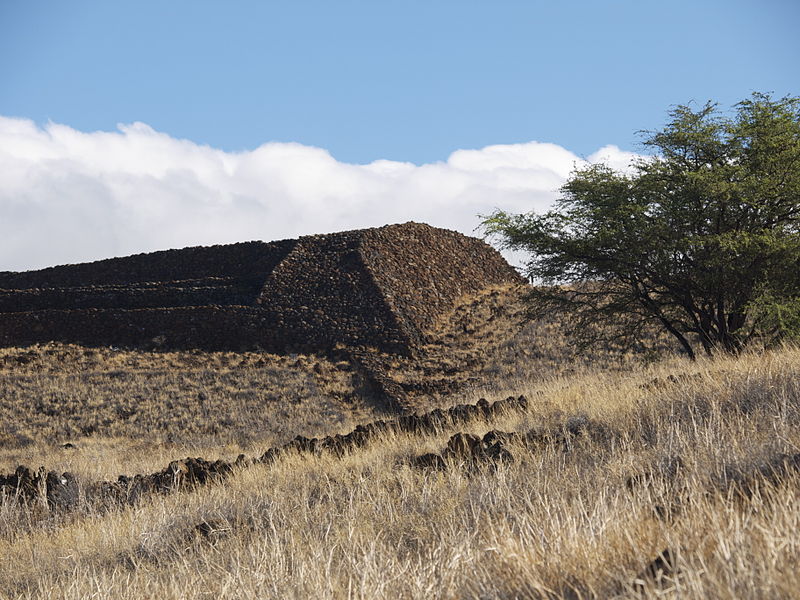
<point>553,523</point>
<point>135,404</point>
<point>186,402</point>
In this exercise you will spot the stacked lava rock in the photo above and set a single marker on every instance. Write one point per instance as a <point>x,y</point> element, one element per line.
<point>381,288</point>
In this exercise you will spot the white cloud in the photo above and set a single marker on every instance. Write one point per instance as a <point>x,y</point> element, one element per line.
<point>69,196</point>
<point>617,159</point>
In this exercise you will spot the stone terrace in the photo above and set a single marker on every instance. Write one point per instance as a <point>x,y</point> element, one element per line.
<point>381,288</point>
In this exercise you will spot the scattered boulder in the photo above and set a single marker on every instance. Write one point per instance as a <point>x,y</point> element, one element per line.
<point>60,491</point>
<point>464,446</point>
<point>469,451</point>
<point>502,437</point>
<point>63,491</point>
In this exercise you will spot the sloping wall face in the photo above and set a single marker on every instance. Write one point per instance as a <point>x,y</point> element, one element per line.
<point>421,271</point>
<point>382,288</point>
<point>322,295</point>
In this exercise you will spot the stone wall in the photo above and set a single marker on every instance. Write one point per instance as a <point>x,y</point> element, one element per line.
<point>201,327</point>
<point>245,259</point>
<point>323,288</point>
<point>378,288</point>
<point>197,292</point>
<point>421,271</point>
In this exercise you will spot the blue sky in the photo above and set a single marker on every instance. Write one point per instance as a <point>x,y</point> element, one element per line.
<point>407,82</point>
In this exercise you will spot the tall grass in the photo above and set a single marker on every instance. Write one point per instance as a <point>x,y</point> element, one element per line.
<point>560,521</point>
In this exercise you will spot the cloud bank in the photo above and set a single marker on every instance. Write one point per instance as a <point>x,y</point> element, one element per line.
<point>68,196</point>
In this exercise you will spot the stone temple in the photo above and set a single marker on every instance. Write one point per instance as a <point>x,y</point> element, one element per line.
<point>382,288</point>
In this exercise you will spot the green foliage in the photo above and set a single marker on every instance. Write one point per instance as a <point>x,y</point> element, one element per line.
<point>778,315</point>
<point>701,239</point>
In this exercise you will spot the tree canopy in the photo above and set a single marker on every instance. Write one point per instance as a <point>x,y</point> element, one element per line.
<point>702,238</point>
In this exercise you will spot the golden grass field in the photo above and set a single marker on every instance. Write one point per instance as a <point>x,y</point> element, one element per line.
<point>683,472</point>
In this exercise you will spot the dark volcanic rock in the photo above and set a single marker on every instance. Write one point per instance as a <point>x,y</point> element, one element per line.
<point>62,491</point>
<point>380,288</point>
<point>473,452</point>
<point>430,461</point>
<point>664,565</point>
<point>464,446</point>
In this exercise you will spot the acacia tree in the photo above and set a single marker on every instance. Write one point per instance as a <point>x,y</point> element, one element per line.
<point>701,239</point>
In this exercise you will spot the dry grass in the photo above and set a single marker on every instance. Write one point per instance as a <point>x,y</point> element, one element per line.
<point>167,403</point>
<point>485,340</point>
<point>555,523</point>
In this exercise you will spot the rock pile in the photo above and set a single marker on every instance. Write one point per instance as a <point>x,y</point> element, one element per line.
<point>382,288</point>
<point>430,423</point>
<point>62,490</point>
<point>26,485</point>
<point>470,451</point>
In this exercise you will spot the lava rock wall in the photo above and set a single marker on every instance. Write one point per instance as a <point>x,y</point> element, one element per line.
<point>422,271</point>
<point>324,294</point>
<point>244,259</point>
<point>203,292</point>
<point>381,288</point>
<point>201,327</point>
